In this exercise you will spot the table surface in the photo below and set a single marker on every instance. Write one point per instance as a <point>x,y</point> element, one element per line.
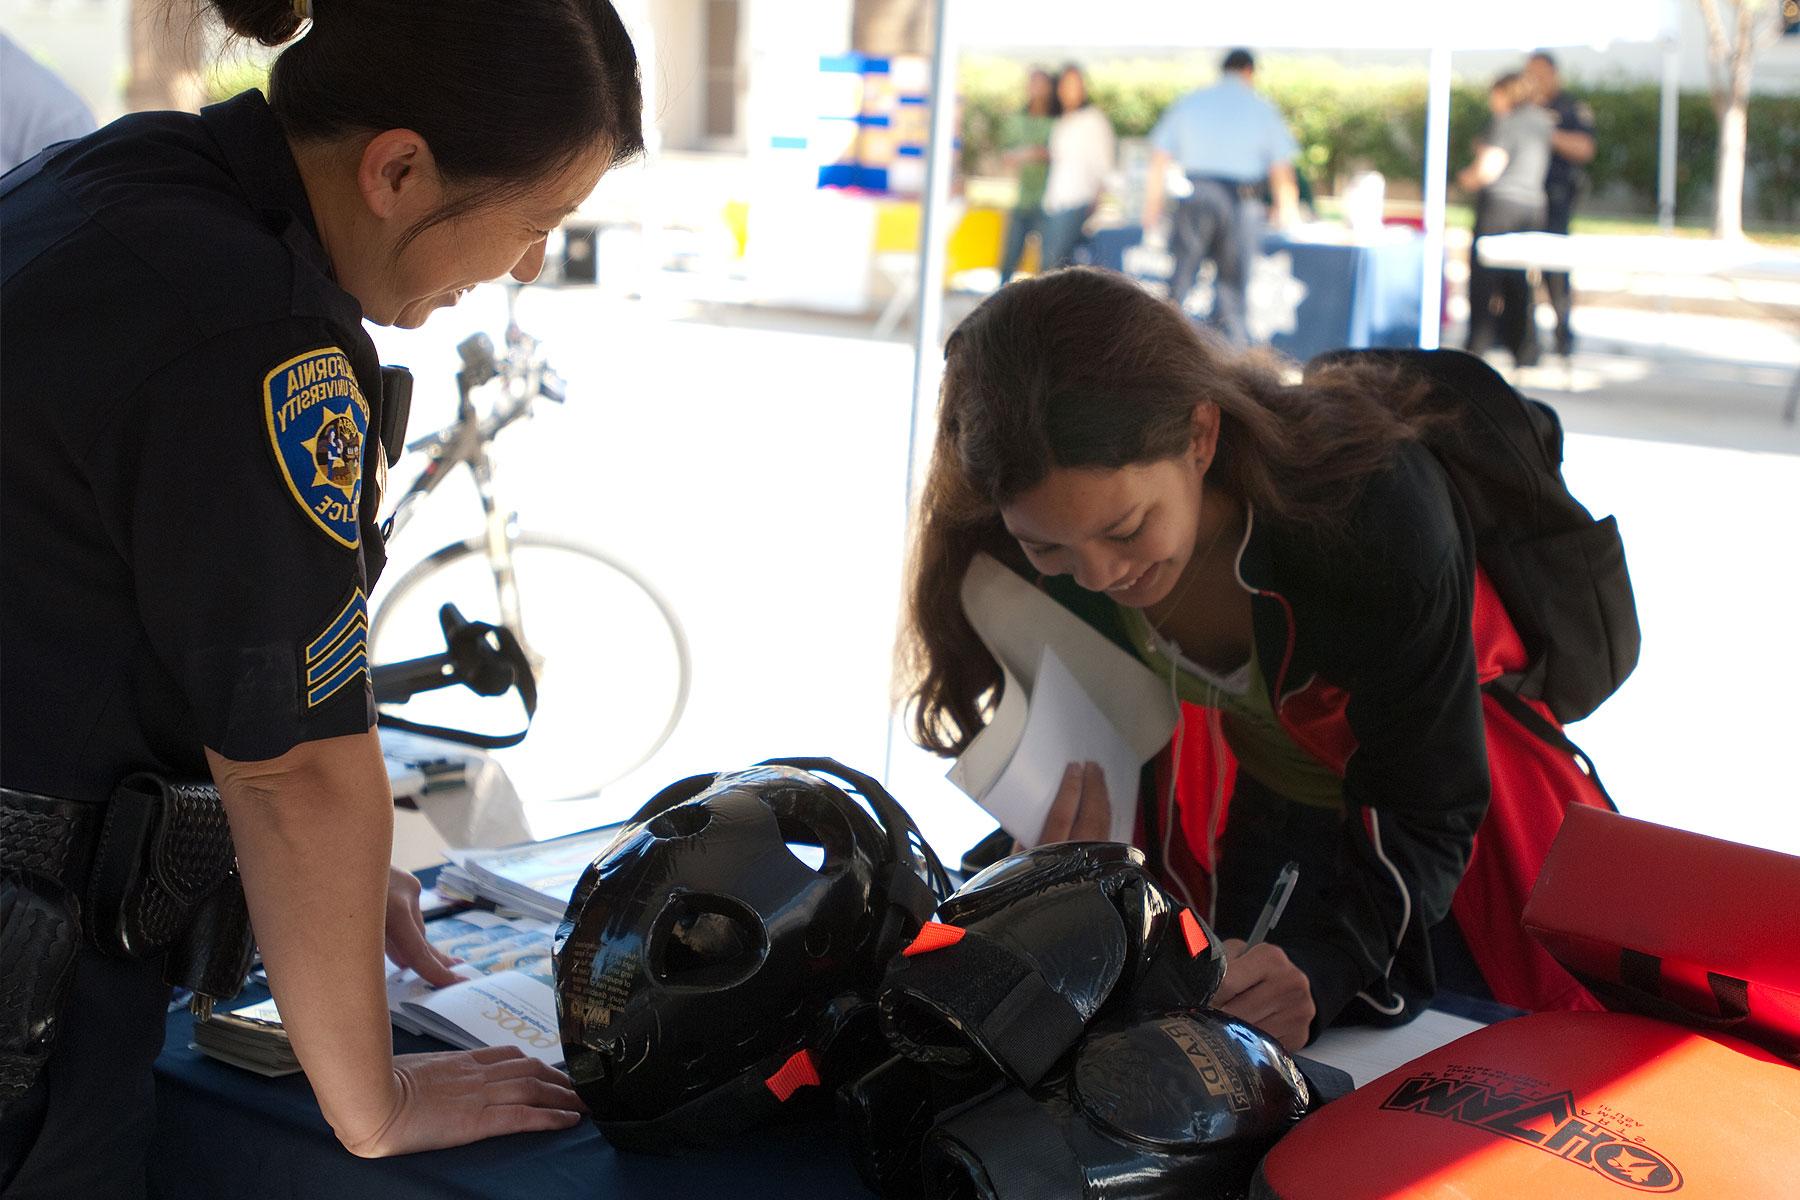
<point>224,1131</point>
<point>1641,255</point>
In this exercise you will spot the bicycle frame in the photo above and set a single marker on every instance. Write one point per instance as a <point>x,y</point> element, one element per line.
<point>524,377</point>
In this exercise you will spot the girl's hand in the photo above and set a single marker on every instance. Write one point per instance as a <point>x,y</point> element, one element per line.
<point>1264,987</point>
<point>1081,811</point>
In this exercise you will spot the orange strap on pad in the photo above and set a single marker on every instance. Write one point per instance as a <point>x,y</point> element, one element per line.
<point>933,935</point>
<point>797,1072</point>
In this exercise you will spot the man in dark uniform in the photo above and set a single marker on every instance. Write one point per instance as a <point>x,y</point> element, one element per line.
<point>1572,148</point>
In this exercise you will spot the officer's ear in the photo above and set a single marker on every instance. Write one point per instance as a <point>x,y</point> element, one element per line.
<point>398,177</point>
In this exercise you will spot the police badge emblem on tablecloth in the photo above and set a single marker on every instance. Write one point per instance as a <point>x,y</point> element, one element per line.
<point>318,422</point>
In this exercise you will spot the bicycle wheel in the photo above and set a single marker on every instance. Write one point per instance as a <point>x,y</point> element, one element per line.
<point>611,659</point>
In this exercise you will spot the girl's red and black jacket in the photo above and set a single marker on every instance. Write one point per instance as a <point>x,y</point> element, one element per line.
<point>1376,639</point>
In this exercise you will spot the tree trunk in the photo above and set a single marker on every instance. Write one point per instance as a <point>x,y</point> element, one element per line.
<point>168,48</point>
<point>1728,182</point>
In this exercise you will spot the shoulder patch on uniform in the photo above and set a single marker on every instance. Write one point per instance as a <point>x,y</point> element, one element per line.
<point>340,651</point>
<point>318,424</point>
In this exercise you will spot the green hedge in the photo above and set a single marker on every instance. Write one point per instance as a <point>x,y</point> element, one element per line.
<point>1346,117</point>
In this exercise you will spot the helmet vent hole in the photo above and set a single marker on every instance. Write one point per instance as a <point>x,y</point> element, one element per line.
<point>706,941</point>
<point>810,853</point>
<point>684,820</point>
<point>813,831</point>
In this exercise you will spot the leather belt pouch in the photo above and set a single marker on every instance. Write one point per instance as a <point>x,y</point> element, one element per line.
<point>44,843</point>
<point>165,881</point>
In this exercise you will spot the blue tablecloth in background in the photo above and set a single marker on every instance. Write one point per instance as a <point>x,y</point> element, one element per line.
<point>1354,296</point>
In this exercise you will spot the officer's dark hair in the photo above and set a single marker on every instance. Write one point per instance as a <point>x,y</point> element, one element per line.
<point>1238,60</point>
<point>505,92</point>
<point>1082,368</point>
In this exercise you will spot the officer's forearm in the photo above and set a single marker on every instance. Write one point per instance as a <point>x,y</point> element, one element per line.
<point>1572,144</point>
<point>1284,189</point>
<point>314,832</point>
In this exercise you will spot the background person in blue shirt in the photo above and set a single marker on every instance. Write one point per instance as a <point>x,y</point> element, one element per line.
<point>1227,140</point>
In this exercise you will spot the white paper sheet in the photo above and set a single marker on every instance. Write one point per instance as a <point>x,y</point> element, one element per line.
<point>1063,725</point>
<point>1107,707</point>
<point>1368,1053</point>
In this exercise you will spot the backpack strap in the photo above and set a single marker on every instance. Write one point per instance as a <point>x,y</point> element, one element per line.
<point>1545,731</point>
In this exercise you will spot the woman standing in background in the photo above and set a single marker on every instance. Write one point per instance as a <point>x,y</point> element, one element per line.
<point>1082,148</point>
<point>1512,157</point>
<point>1025,143</point>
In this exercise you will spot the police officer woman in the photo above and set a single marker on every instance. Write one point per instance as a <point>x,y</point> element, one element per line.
<point>194,434</point>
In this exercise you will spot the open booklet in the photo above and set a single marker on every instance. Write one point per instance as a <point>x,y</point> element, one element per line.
<point>1070,695</point>
<point>507,998</point>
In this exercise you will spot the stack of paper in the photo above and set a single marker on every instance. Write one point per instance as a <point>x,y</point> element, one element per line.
<point>1070,696</point>
<point>534,879</point>
<point>507,998</point>
<point>250,1037</point>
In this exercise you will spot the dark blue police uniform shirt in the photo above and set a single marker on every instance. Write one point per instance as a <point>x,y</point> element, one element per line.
<point>189,409</point>
<point>1572,116</point>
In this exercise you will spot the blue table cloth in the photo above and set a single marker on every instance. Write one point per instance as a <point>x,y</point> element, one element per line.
<point>1322,296</point>
<point>223,1132</point>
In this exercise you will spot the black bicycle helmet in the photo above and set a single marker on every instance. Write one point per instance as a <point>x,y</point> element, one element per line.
<point>705,971</point>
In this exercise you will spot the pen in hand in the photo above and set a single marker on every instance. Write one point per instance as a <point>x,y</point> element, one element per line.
<point>1285,880</point>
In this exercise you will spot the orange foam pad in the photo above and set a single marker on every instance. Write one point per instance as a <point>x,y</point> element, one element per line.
<point>1565,1105</point>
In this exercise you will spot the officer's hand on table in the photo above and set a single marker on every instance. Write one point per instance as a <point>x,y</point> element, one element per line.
<point>463,1096</point>
<point>405,927</point>
<point>1081,811</point>
<point>1262,986</point>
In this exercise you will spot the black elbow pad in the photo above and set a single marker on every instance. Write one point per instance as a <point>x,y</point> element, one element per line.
<point>1025,955</point>
<point>1154,1105</point>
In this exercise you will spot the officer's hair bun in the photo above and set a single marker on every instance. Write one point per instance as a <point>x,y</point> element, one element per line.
<point>271,22</point>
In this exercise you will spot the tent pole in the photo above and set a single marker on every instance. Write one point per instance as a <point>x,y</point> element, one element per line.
<point>928,318</point>
<point>933,237</point>
<point>1436,187</point>
<point>1665,158</point>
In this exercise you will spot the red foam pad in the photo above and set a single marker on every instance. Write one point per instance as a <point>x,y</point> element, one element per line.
<point>1566,1105</point>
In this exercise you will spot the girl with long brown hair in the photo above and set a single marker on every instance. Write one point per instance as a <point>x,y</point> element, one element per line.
<point>1292,559</point>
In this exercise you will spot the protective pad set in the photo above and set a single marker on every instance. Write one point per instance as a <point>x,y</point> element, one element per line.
<point>757,942</point>
<point>1051,1039</point>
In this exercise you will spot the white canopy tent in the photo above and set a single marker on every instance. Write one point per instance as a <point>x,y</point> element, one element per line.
<point>1436,27</point>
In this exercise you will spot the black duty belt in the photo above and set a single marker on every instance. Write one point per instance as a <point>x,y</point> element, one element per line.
<point>151,872</point>
<point>1240,188</point>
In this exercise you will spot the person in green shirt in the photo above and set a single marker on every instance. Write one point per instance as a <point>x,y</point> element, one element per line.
<point>1025,142</point>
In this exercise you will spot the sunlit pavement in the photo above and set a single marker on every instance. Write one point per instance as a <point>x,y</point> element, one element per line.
<point>751,464</point>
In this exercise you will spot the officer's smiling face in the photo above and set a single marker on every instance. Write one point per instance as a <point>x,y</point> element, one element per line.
<point>400,262</point>
<point>506,237</point>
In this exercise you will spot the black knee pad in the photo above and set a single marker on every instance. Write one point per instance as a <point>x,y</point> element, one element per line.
<point>1152,1106</point>
<point>1025,955</point>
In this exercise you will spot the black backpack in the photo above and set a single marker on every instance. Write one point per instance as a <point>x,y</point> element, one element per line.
<point>1559,572</point>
